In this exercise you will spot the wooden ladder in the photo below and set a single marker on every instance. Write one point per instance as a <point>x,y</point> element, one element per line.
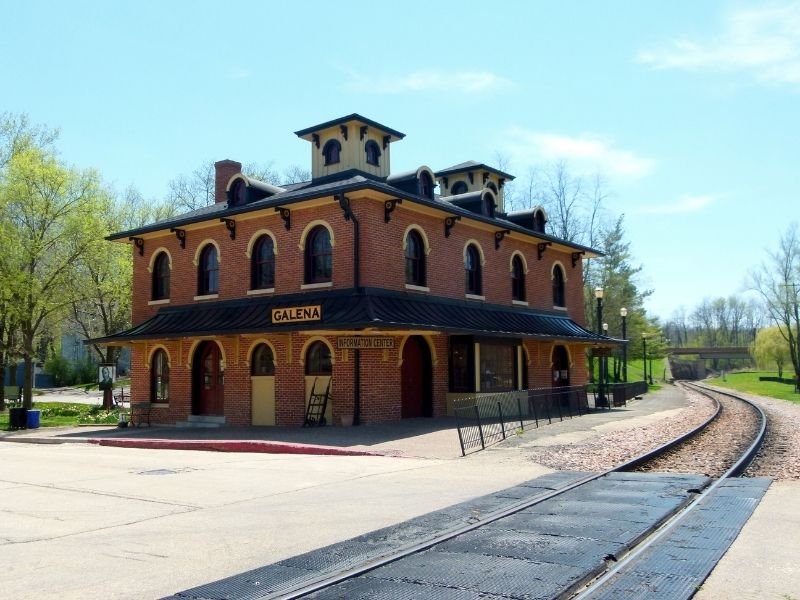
<point>317,403</point>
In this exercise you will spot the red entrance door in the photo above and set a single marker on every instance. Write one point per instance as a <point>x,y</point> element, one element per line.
<point>209,380</point>
<point>415,380</point>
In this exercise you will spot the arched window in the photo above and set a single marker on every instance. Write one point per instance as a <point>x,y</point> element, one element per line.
<point>208,271</point>
<point>459,187</point>
<point>238,193</point>
<point>161,277</point>
<point>539,221</point>
<point>425,185</point>
<point>488,205</point>
<point>472,270</point>
<point>373,152</point>
<point>558,286</point>
<point>319,256</point>
<point>415,259</point>
<point>263,362</point>
<point>318,359</point>
<point>517,279</point>
<point>331,152</point>
<point>263,264</point>
<point>159,377</point>
<point>492,186</point>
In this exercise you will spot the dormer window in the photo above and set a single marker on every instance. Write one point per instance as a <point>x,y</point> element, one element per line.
<point>426,185</point>
<point>487,205</point>
<point>332,151</point>
<point>373,152</point>
<point>238,193</point>
<point>459,187</point>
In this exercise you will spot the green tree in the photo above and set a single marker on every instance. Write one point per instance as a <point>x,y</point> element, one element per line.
<point>51,217</point>
<point>778,284</point>
<point>770,350</point>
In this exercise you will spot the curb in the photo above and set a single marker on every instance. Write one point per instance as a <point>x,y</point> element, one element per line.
<point>253,446</point>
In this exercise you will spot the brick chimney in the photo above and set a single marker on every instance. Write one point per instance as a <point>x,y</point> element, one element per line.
<point>223,171</point>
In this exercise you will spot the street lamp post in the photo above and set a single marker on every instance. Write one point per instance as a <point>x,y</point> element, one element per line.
<point>600,396</point>
<point>604,362</point>
<point>644,355</point>
<point>623,312</point>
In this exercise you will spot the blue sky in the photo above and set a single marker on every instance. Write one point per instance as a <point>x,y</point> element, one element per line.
<point>689,110</point>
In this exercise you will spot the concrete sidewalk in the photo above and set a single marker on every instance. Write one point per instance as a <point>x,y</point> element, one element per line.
<point>435,438</point>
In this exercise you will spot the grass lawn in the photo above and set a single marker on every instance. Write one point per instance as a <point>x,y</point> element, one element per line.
<point>55,414</point>
<point>636,371</point>
<point>747,381</point>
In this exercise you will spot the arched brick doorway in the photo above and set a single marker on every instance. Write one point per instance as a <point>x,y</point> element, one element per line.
<point>208,380</point>
<point>416,379</point>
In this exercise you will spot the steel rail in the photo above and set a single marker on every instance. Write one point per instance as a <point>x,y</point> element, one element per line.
<point>329,579</point>
<point>737,468</point>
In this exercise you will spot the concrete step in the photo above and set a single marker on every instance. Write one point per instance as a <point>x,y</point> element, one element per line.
<point>191,425</point>
<point>202,421</point>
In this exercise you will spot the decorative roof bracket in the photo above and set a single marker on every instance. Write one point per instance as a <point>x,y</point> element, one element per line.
<point>388,208</point>
<point>498,237</point>
<point>576,257</point>
<point>180,234</point>
<point>286,215</point>
<point>471,176</point>
<point>449,223</point>
<point>343,129</point>
<point>315,139</point>
<point>230,225</point>
<point>362,133</point>
<point>139,243</point>
<point>344,204</point>
<point>541,247</point>
<point>386,140</point>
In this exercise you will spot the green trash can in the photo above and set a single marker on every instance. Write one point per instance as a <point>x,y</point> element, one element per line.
<point>33,418</point>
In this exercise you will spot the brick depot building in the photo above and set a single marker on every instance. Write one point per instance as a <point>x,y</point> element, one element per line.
<point>362,282</point>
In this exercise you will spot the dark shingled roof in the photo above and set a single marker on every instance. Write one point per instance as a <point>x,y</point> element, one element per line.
<point>472,165</point>
<point>347,119</point>
<point>349,309</point>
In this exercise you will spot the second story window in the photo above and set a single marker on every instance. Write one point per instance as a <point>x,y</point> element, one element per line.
<point>161,277</point>
<point>263,264</point>
<point>331,152</point>
<point>415,259</point>
<point>318,256</point>
<point>472,271</point>
<point>558,286</point>
<point>373,152</point>
<point>208,271</point>
<point>539,221</point>
<point>488,205</point>
<point>517,279</point>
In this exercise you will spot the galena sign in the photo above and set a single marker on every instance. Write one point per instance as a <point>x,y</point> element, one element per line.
<point>296,314</point>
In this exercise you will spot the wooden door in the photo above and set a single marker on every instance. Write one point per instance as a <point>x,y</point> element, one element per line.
<point>415,380</point>
<point>210,384</point>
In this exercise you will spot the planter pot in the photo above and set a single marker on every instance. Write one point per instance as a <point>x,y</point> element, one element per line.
<point>347,420</point>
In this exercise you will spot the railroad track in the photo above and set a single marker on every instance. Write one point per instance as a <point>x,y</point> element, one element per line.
<point>742,455</point>
<point>333,580</point>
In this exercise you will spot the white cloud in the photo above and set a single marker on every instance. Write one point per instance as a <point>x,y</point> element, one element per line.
<point>587,152</point>
<point>764,41</point>
<point>683,205</point>
<point>435,80</point>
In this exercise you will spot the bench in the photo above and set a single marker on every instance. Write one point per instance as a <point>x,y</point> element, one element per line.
<point>119,398</point>
<point>13,396</point>
<point>140,414</point>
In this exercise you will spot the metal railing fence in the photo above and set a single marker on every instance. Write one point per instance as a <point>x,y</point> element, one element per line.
<point>489,418</point>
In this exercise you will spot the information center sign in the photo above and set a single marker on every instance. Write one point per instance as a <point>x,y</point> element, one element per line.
<point>362,343</point>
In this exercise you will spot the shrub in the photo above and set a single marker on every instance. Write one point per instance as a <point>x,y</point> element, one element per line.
<point>60,369</point>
